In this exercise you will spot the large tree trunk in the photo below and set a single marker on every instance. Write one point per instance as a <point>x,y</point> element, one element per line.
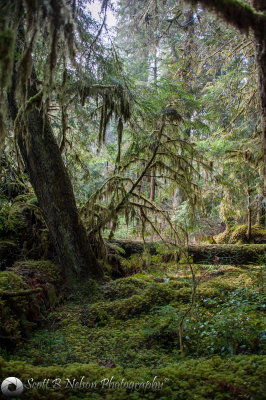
<point>52,185</point>
<point>260,5</point>
<point>54,191</point>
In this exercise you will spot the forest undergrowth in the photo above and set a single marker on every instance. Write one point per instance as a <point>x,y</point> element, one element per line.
<point>123,331</point>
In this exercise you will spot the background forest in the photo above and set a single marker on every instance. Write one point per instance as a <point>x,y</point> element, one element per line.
<point>132,196</point>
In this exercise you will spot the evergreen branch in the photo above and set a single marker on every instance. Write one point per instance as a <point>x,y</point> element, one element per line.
<point>237,13</point>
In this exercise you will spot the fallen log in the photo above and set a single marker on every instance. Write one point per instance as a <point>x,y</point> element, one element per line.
<point>208,254</point>
<point>228,253</point>
<point>5,294</point>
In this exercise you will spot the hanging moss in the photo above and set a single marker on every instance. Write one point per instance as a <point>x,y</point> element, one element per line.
<point>238,13</point>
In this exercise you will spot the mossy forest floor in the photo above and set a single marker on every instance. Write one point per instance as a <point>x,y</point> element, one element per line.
<point>121,338</point>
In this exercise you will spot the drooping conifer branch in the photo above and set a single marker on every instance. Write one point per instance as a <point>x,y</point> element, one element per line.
<point>238,13</point>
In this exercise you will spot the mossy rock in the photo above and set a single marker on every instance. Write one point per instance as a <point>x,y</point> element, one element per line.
<point>240,377</point>
<point>23,223</point>
<point>20,313</point>
<point>238,235</point>
<point>12,223</point>
<point>9,280</point>
<point>223,237</point>
<point>44,270</point>
<point>12,311</point>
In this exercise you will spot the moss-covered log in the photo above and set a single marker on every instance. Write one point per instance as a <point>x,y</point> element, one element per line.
<point>226,253</point>
<point>134,247</point>
<point>6,295</point>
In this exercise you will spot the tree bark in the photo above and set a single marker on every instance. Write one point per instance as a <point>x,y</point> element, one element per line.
<point>54,191</point>
<point>249,214</point>
<point>53,188</point>
<point>259,5</point>
<point>260,211</point>
<point>152,184</point>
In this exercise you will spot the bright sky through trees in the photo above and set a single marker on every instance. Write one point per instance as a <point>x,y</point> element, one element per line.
<point>95,9</point>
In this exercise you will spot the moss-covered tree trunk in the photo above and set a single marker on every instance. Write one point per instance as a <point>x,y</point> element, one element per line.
<point>260,5</point>
<point>52,185</point>
<point>54,191</point>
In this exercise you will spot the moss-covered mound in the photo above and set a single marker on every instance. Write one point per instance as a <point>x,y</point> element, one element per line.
<point>27,290</point>
<point>240,377</point>
<point>154,295</point>
<point>130,329</point>
<point>44,271</point>
<point>22,223</point>
<point>238,235</point>
<point>124,288</point>
<point>13,313</point>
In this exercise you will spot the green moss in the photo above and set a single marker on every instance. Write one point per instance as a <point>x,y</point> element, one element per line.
<point>46,271</point>
<point>223,237</point>
<point>156,294</point>
<point>238,235</point>
<point>133,331</point>
<point>19,313</point>
<point>10,223</point>
<point>26,199</point>
<point>124,288</point>
<point>216,378</point>
<point>143,277</point>
<point>9,280</point>
<point>236,254</point>
<point>12,312</point>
